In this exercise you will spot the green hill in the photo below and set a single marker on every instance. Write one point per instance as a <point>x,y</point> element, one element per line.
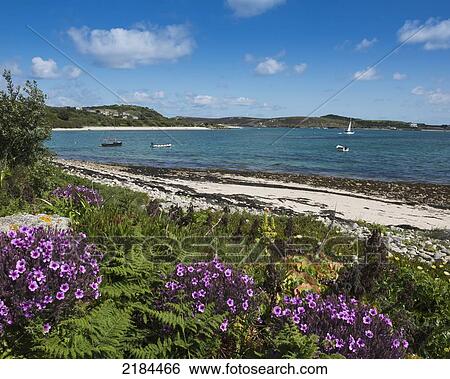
<point>109,115</point>
<point>134,115</point>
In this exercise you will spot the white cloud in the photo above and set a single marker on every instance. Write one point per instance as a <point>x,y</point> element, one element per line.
<point>269,66</point>
<point>399,76</point>
<point>128,48</point>
<point>72,72</point>
<point>250,8</point>
<point>300,68</point>
<point>367,74</point>
<point>144,96</point>
<point>242,101</point>
<point>433,34</point>
<point>44,69</point>
<point>365,44</point>
<point>418,91</point>
<point>202,100</point>
<point>436,96</point>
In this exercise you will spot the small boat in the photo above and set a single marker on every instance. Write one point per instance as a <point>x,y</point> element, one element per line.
<point>349,129</point>
<point>111,143</point>
<point>160,145</point>
<point>342,148</point>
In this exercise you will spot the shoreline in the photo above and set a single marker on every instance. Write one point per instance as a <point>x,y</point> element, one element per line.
<point>412,205</point>
<point>137,128</point>
<point>224,127</point>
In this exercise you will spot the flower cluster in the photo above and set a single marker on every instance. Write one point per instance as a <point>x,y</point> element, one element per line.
<point>344,326</point>
<point>232,292</point>
<point>44,272</point>
<point>79,194</point>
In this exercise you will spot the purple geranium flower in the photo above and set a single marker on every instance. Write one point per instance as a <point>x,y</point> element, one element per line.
<point>79,293</point>
<point>33,286</point>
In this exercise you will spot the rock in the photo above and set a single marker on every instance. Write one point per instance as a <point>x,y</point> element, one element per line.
<point>438,255</point>
<point>425,256</point>
<point>17,220</point>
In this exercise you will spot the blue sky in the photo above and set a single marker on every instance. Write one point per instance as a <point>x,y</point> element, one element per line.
<point>236,57</point>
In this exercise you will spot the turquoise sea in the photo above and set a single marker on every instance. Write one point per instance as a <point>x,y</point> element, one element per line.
<point>418,156</point>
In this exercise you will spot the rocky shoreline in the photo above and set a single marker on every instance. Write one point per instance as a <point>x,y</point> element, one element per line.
<point>417,208</point>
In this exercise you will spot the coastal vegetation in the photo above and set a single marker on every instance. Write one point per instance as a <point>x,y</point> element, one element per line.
<point>108,115</point>
<point>133,279</point>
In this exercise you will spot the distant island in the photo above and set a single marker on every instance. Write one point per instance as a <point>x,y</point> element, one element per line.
<point>139,116</point>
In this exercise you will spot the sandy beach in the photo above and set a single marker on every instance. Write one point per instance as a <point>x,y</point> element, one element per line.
<point>422,206</point>
<point>137,128</point>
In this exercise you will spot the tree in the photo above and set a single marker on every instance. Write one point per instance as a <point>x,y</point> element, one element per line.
<point>23,125</point>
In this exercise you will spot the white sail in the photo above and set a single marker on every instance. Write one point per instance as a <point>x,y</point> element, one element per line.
<point>349,129</point>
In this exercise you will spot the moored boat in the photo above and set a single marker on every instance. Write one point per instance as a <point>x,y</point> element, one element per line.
<point>342,148</point>
<point>160,145</point>
<point>111,143</point>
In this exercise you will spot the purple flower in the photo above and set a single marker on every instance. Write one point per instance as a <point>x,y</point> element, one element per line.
<point>33,286</point>
<point>20,265</point>
<point>405,344</point>
<point>224,325</point>
<point>46,328</point>
<point>65,268</point>
<point>330,319</point>
<point>60,295</point>
<point>79,293</point>
<point>212,284</point>
<point>277,311</point>
<point>53,265</point>
<point>78,195</point>
<point>14,274</point>
<point>35,254</point>
<point>373,312</point>
<point>31,265</point>
<point>367,320</point>
<point>201,307</point>
<point>11,234</point>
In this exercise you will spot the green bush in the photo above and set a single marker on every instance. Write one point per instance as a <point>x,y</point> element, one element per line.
<point>416,297</point>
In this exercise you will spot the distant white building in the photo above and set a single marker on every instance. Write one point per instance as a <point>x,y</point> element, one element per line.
<point>413,125</point>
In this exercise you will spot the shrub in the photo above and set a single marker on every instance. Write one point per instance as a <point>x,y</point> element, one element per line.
<point>78,195</point>
<point>23,122</point>
<point>43,273</point>
<point>343,326</point>
<point>204,283</point>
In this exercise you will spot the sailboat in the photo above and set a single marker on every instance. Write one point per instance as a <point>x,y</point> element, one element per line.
<point>349,128</point>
